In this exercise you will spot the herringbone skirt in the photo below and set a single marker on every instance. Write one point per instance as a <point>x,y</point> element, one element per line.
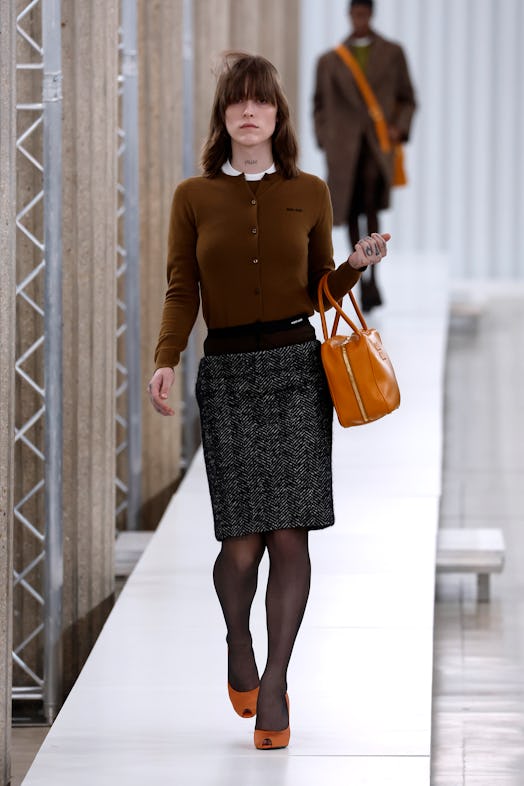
<point>266,421</point>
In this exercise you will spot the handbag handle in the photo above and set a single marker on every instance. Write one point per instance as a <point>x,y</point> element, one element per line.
<point>323,290</point>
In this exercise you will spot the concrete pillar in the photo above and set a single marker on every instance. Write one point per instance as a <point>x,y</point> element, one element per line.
<point>7,360</point>
<point>247,19</point>
<point>90,66</point>
<point>213,22</point>
<point>160,141</point>
<point>279,41</point>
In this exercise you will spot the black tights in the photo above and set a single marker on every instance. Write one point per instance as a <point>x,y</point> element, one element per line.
<point>235,576</point>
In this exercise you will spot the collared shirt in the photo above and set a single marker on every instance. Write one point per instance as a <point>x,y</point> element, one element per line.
<point>229,169</point>
<point>361,47</point>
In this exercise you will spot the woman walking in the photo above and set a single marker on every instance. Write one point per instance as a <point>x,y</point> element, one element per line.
<point>251,238</point>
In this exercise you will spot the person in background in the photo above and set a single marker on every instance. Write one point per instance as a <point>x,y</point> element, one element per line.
<point>359,171</point>
<point>251,238</point>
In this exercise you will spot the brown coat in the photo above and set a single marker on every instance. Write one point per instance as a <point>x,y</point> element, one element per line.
<point>342,119</point>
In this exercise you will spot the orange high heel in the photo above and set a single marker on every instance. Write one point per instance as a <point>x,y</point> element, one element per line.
<point>244,701</point>
<point>272,740</point>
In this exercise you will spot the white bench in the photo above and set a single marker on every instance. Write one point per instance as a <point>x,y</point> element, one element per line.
<point>479,551</point>
<point>129,547</point>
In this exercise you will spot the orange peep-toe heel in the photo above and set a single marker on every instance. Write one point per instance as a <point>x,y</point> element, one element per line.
<point>272,740</point>
<point>244,701</point>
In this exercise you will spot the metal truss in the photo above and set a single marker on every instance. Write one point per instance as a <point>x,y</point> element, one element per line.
<point>190,357</point>
<point>121,482</point>
<point>38,435</point>
<point>28,434</point>
<point>129,383</point>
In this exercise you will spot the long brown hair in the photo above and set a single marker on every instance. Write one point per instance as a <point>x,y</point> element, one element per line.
<point>249,76</point>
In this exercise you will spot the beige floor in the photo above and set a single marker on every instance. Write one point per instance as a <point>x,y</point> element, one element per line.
<point>478,716</point>
<point>25,745</point>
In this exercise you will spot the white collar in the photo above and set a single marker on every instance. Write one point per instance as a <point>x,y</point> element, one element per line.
<point>229,169</point>
<point>364,41</point>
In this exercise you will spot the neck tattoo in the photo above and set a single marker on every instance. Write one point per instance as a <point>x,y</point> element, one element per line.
<point>251,161</point>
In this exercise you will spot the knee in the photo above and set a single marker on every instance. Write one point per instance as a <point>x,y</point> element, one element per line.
<point>244,564</point>
<point>288,545</point>
<point>240,559</point>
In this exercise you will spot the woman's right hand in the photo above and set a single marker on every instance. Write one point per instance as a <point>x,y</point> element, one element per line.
<point>159,386</point>
<point>369,250</point>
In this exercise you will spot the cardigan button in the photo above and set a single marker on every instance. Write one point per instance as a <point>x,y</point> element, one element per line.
<point>253,201</point>
<point>253,230</point>
<point>255,261</point>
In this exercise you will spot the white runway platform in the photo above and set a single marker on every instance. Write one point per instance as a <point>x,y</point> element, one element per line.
<point>151,705</point>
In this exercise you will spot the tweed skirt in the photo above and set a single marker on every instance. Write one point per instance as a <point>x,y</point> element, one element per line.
<point>266,419</point>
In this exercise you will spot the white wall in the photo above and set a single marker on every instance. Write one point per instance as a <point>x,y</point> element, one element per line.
<point>466,157</point>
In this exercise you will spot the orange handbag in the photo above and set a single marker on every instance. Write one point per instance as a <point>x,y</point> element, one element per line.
<point>360,376</point>
<point>399,172</point>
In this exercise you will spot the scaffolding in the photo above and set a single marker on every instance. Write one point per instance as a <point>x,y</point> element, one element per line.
<point>38,572</point>
<point>129,382</point>
<point>191,422</point>
<point>38,580</point>
<point>38,505</point>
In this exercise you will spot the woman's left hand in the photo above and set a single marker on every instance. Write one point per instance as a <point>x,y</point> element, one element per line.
<point>369,250</point>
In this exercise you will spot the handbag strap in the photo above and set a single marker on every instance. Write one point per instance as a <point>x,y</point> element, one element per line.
<point>368,95</point>
<point>323,291</point>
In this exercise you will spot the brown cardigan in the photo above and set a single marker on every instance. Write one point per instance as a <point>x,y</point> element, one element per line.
<point>252,254</point>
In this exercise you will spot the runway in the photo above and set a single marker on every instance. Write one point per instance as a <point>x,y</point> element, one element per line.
<point>151,704</point>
